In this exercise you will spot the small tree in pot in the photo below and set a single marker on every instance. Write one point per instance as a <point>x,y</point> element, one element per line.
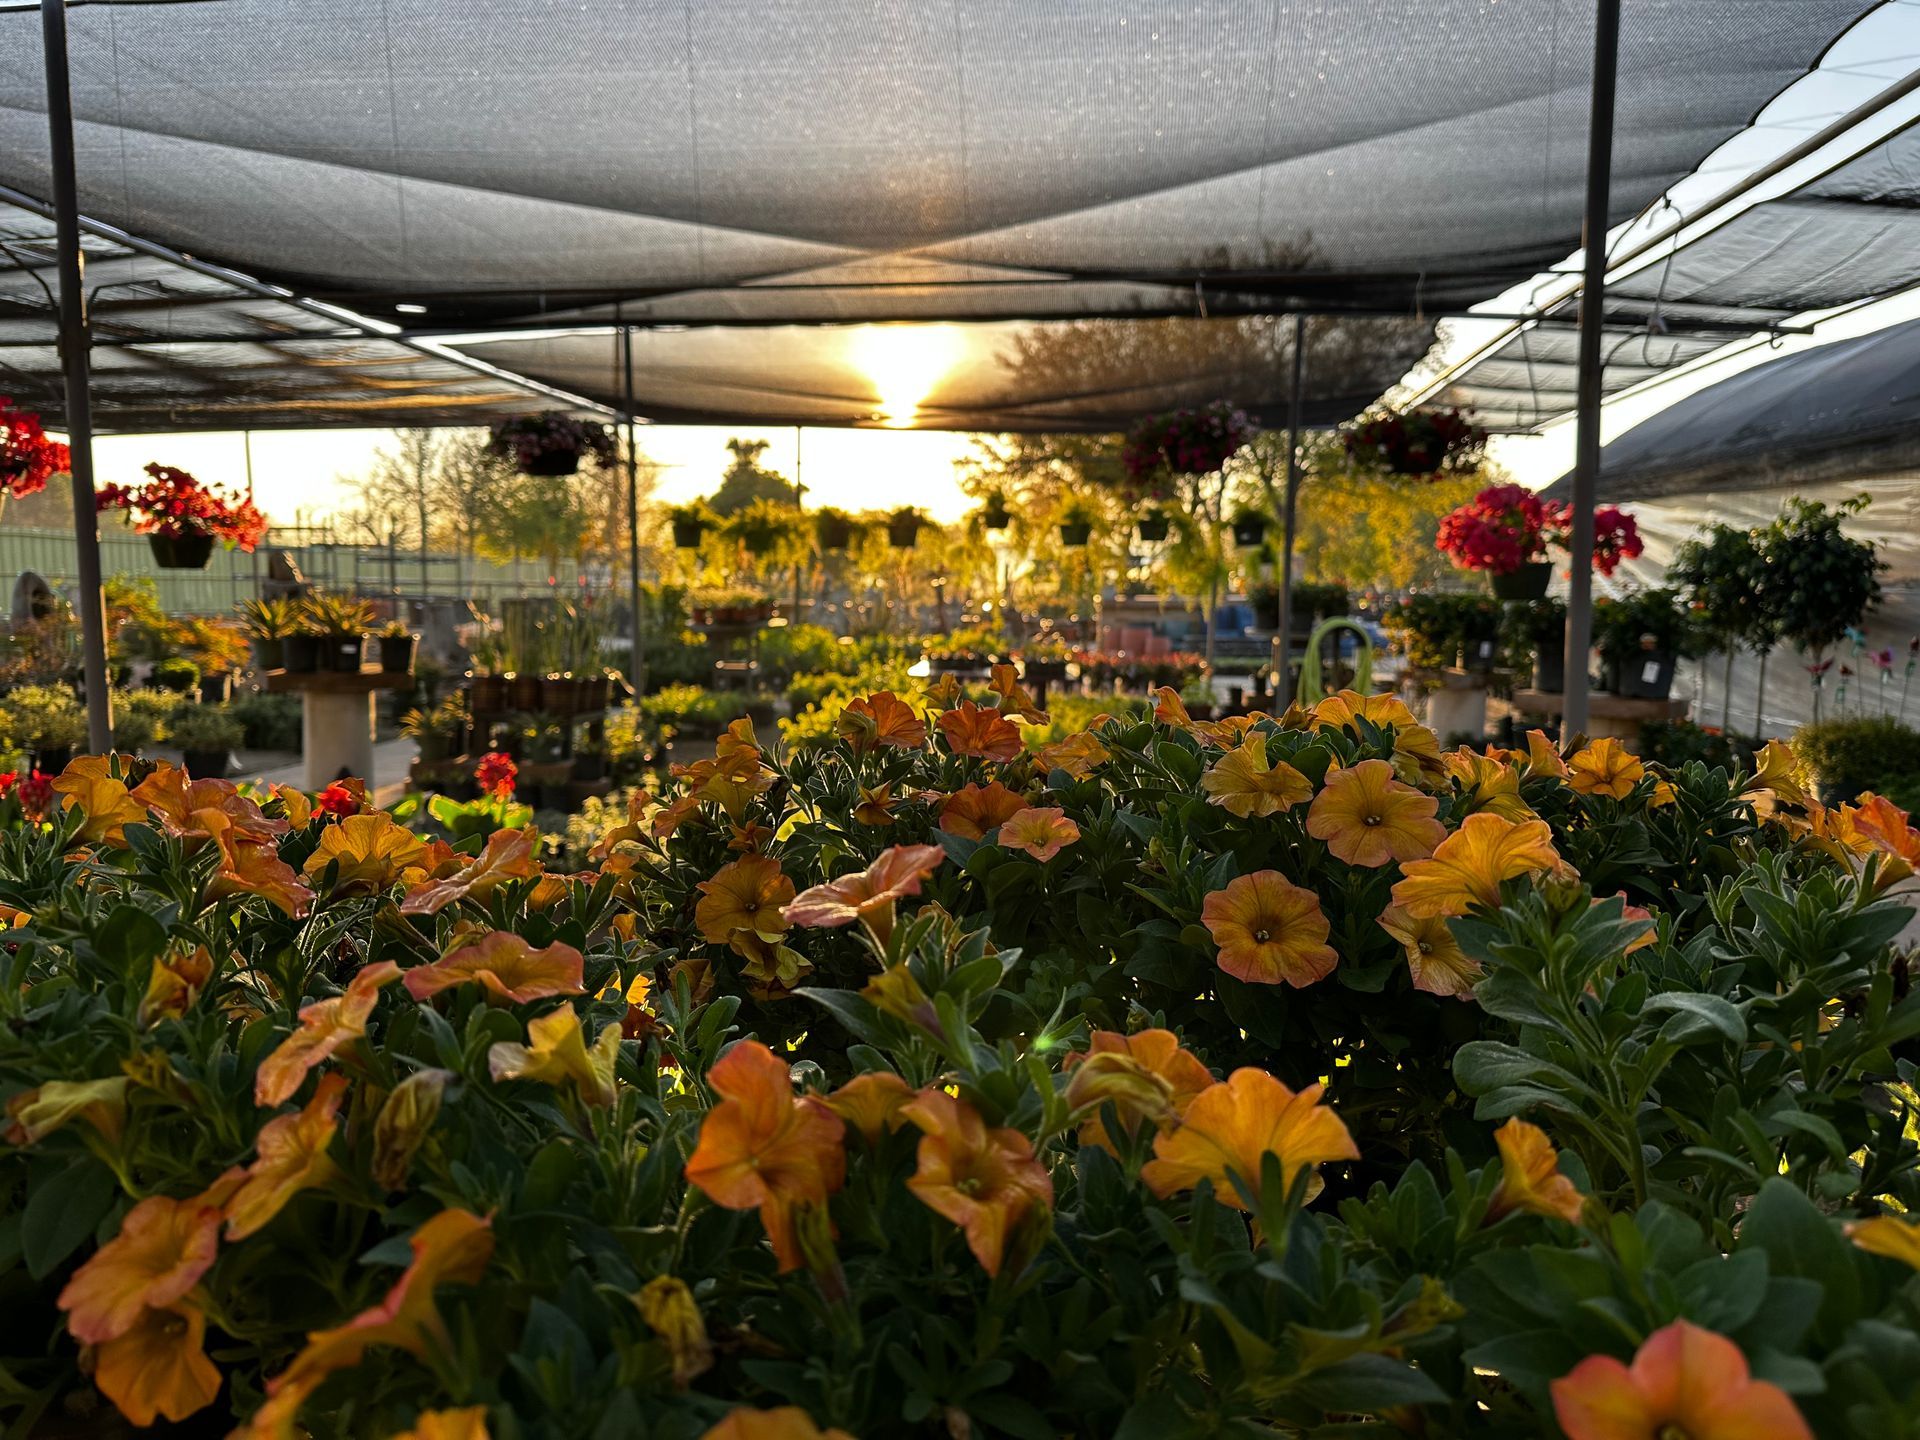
<point>1639,638</point>
<point>1821,582</point>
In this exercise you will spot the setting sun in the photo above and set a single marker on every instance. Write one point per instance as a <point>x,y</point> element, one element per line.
<point>904,362</point>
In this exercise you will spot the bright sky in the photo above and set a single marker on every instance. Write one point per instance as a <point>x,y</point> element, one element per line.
<point>298,475</point>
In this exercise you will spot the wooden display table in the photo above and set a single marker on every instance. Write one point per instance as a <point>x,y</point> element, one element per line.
<point>1614,717</point>
<point>336,718</point>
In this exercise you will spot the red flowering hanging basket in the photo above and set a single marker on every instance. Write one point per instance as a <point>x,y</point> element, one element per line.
<point>1423,443</point>
<point>181,517</point>
<point>552,443</point>
<point>1508,530</point>
<point>28,459</point>
<point>1184,442</point>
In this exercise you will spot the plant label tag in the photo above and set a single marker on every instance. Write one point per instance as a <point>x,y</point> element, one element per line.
<point>1486,649</point>
<point>1650,673</point>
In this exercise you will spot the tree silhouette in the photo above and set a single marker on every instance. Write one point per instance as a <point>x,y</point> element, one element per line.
<point>746,480</point>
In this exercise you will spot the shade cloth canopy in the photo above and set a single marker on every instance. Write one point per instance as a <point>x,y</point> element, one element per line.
<point>734,164</point>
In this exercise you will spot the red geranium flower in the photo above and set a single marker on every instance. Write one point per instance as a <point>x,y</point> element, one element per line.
<point>495,774</point>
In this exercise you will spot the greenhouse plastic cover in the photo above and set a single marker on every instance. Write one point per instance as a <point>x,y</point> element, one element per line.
<point>726,164</point>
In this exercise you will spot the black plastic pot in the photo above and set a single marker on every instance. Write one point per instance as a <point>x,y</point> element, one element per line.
<point>687,534</point>
<point>589,767</point>
<point>1153,528</point>
<point>1478,652</point>
<point>342,653</point>
<point>996,517</point>
<point>834,532</point>
<point>1550,670</point>
<point>1075,535</point>
<point>903,534</point>
<point>553,463</point>
<point>1529,582</point>
<point>216,689</point>
<point>184,552</point>
<point>267,653</point>
<point>1249,531</point>
<point>396,653</point>
<point>487,694</point>
<point>1647,676</point>
<point>1043,671</point>
<point>207,764</point>
<point>301,654</point>
<point>523,692</point>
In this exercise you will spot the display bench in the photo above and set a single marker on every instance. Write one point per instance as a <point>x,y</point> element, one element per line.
<point>1616,717</point>
<point>336,718</point>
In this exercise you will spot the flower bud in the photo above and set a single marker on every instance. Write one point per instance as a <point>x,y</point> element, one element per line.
<point>403,1124</point>
<point>668,1307</point>
<point>1113,1076</point>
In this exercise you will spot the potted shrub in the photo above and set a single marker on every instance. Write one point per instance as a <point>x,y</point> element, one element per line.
<point>438,732</point>
<point>551,443</point>
<point>1507,531</point>
<point>397,645</point>
<point>1249,528</point>
<point>175,673</point>
<point>28,459</point>
<point>832,528</point>
<point>1153,526</point>
<point>1822,582</point>
<point>182,518</point>
<point>1076,524</point>
<point>764,528</point>
<point>1479,621</point>
<point>1197,695</point>
<point>1540,626</point>
<point>300,647</point>
<point>206,736</point>
<point>47,721</point>
<point>140,718</point>
<point>1419,442</point>
<point>1638,638</point>
<point>268,623</point>
<point>903,528</point>
<point>342,623</point>
<point>1858,753</point>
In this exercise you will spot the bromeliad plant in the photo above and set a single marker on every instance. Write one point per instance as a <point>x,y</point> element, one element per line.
<point>1181,1079</point>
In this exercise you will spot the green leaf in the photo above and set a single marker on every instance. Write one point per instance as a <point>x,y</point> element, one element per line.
<point>1483,1065</point>
<point>1800,1241</point>
<point>129,938</point>
<point>63,1212</point>
<point>1369,1384</point>
<point>1705,1014</point>
<point>1011,1415</point>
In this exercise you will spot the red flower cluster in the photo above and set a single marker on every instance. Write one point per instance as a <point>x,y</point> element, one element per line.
<point>35,794</point>
<point>174,505</point>
<point>1507,526</point>
<point>1421,442</point>
<point>496,774</point>
<point>8,779</point>
<point>337,800</point>
<point>1186,442</point>
<point>28,459</point>
<point>525,438</point>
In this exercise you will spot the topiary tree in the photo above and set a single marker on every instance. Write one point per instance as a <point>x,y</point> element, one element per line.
<point>1722,574</point>
<point>1819,582</point>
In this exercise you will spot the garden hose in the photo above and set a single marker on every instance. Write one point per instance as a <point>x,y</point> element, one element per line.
<point>1312,688</point>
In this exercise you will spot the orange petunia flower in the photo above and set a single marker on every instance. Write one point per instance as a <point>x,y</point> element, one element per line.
<point>325,1025</point>
<point>1232,1125</point>
<point>896,992</point>
<point>1542,756</point>
<point>789,1422</point>
<point>981,733</point>
<point>507,855</point>
<point>1888,1235</point>
<point>1779,777</point>
<point>198,810</point>
<point>1042,832</point>
<point>1079,754</point>
<point>506,966</point>
<point>36,1113</point>
<point>466,1423</point>
<point>1269,931</point>
<point>1368,818</point>
<point>158,1366</point>
<point>985,1180</point>
<point>867,895</point>
<point>89,785</point>
<point>1014,699</point>
<point>1491,786</point>
<point>162,1249</point>
<point>174,983</point>
<point>641,808</point>
<point>1885,826</point>
<point>559,1056</point>
<point>882,718</point>
<point>1158,1054</point>
<point>871,1102</point>
<point>1338,712</point>
<point>371,851</point>
<point>876,805</point>
<point>252,867</point>
<point>1246,784</point>
<point>748,894</point>
<point>292,1156</point>
<point>1530,1177</point>
<point>763,1148</point>
<point>972,810</point>
<point>1170,710</point>
<point>1468,867</point>
<point>1683,1381</point>
<point>1605,767</point>
<point>1434,958</point>
<point>942,693</point>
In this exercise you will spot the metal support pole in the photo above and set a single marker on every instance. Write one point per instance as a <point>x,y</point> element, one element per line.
<point>637,659</point>
<point>74,340</point>
<point>1593,294</point>
<point>1283,644</point>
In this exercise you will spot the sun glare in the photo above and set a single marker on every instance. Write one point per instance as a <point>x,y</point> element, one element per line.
<point>904,363</point>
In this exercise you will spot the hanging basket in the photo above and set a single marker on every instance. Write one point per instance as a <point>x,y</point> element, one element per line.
<point>181,552</point>
<point>1153,528</point>
<point>834,532</point>
<point>1249,531</point>
<point>903,534</point>
<point>996,516</point>
<point>1529,582</point>
<point>1075,534</point>
<point>688,533</point>
<point>553,463</point>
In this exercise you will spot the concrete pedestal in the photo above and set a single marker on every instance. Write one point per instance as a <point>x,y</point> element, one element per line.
<point>1458,706</point>
<point>336,734</point>
<point>1609,717</point>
